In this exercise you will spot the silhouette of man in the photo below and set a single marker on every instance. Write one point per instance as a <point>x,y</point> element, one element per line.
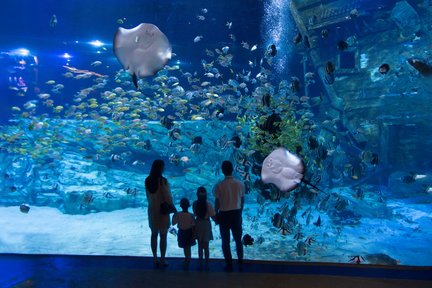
<point>229,202</point>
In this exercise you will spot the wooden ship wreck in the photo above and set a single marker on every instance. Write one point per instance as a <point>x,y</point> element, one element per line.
<point>390,112</point>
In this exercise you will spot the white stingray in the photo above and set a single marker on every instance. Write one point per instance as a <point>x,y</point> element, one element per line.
<point>283,169</point>
<point>142,50</point>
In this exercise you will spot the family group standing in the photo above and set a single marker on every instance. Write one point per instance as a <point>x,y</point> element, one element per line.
<point>196,227</point>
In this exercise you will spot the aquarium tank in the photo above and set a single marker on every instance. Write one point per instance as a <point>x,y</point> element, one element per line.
<point>90,98</point>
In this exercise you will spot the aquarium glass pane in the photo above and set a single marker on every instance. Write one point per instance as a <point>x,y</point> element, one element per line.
<point>323,107</point>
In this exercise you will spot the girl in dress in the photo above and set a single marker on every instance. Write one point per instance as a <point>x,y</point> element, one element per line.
<point>203,211</point>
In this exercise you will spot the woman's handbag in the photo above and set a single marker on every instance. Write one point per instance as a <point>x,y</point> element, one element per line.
<point>166,208</point>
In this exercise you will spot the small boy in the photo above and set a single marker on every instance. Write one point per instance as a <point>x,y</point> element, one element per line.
<point>186,233</point>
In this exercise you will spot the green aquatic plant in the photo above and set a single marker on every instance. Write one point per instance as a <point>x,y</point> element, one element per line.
<point>291,133</point>
<point>287,133</point>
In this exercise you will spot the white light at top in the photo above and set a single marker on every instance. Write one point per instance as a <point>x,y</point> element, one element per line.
<point>66,56</point>
<point>276,11</point>
<point>21,52</point>
<point>278,25</point>
<point>96,43</point>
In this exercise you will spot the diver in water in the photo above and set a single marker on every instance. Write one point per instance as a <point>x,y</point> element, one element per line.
<point>18,77</point>
<point>19,70</point>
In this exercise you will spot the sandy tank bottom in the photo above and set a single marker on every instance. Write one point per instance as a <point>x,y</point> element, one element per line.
<point>125,232</point>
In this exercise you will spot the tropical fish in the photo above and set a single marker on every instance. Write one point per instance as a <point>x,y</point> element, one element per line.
<point>236,141</point>
<point>324,33</point>
<point>308,218</point>
<point>219,113</point>
<point>108,195</point>
<point>410,178</point>
<point>356,259</point>
<point>330,68</point>
<point>24,208</point>
<point>297,38</point>
<point>318,222</point>
<point>295,84</point>
<point>277,220</point>
<point>298,236</point>
<point>174,133</point>
<point>247,240</point>
<point>342,45</point>
<point>81,73</point>
<point>271,50</point>
<point>309,240</point>
<point>87,198</point>
<point>198,39</point>
<point>167,121</point>
<point>420,65</point>
<point>266,100</point>
<point>301,248</point>
<point>222,142</point>
<point>121,21</point>
<point>384,68</point>
<point>96,63</point>
<point>131,191</point>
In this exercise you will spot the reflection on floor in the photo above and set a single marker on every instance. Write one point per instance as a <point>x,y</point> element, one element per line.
<point>108,271</point>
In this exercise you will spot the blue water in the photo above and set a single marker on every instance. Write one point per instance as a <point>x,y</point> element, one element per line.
<point>27,25</point>
<point>87,146</point>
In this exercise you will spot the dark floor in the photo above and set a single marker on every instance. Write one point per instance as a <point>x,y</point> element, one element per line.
<point>109,271</point>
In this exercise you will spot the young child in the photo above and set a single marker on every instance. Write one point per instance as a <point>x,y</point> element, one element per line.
<point>186,230</point>
<point>203,210</point>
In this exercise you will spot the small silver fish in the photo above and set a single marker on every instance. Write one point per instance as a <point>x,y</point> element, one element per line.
<point>198,38</point>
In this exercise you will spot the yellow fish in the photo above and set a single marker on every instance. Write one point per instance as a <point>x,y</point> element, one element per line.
<point>58,109</point>
<point>197,117</point>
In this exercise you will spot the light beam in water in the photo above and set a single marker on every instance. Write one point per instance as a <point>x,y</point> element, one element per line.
<point>277,25</point>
